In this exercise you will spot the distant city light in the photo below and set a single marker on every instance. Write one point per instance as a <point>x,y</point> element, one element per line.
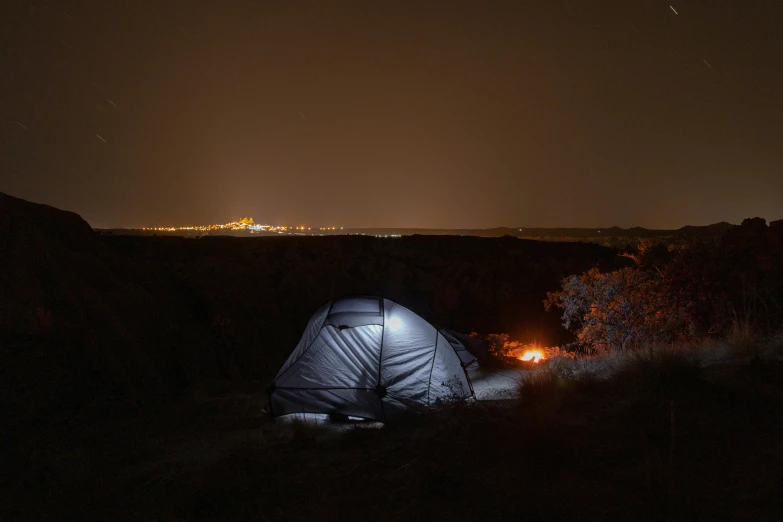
<point>245,223</point>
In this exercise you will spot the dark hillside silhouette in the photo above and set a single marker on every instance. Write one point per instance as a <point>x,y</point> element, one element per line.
<point>86,316</point>
<point>132,370</point>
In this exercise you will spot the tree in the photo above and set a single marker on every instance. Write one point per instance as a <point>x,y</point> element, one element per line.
<point>679,293</point>
<point>620,310</point>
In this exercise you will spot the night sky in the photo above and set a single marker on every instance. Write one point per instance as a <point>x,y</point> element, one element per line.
<point>420,114</point>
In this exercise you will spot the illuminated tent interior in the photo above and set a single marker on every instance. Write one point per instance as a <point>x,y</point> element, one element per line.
<point>369,357</point>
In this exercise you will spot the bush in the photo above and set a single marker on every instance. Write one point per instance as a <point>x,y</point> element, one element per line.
<point>680,294</point>
<point>621,310</point>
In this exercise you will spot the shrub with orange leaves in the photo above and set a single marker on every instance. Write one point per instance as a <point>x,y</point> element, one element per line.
<point>621,310</point>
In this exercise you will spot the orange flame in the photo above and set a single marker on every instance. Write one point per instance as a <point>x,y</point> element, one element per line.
<point>532,355</point>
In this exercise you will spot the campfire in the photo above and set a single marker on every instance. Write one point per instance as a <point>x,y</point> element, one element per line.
<point>527,355</point>
<point>532,355</point>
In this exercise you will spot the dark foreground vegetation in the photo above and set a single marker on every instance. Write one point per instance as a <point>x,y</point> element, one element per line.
<point>132,372</point>
<point>663,439</point>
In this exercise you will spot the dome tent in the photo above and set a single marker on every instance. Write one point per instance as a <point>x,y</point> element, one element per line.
<point>368,357</point>
<point>468,358</point>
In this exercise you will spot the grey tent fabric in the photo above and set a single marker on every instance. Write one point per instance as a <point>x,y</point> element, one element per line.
<point>370,357</point>
<point>469,361</point>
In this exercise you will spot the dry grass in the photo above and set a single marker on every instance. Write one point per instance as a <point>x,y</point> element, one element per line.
<point>775,350</point>
<point>740,344</point>
<point>655,368</point>
<point>743,343</point>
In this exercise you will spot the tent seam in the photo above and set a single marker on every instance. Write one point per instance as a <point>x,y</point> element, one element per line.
<point>464,366</point>
<point>432,365</point>
<point>323,324</point>
<point>380,352</point>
